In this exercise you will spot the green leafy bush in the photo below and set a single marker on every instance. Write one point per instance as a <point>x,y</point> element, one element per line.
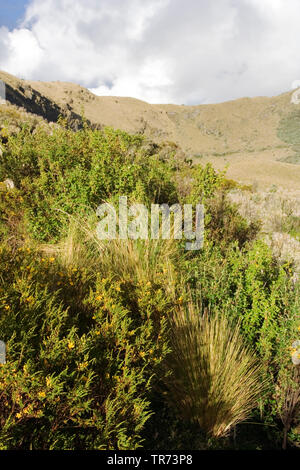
<point>68,172</point>
<point>81,354</point>
<point>252,288</point>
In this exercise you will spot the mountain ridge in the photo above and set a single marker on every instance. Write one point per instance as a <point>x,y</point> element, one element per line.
<point>241,133</point>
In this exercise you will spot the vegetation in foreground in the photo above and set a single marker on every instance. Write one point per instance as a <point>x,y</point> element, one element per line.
<point>128,344</point>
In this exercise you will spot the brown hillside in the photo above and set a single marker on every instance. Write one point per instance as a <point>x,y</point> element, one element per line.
<point>241,133</point>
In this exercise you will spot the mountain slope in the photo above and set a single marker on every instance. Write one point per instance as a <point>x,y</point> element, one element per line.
<point>243,133</point>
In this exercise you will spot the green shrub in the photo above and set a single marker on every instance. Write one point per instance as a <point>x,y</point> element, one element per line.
<point>223,223</point>
<point>251,288</point>
<point>291,225</point>
<point>81,354</point>
<point>206,181</point>
<point>75,172</point>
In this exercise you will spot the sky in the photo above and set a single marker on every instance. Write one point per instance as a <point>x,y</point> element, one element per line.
<point>11,12</point>
<point>160,51</point>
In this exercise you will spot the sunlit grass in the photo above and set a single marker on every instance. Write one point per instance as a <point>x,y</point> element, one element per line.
<point>216,379</point>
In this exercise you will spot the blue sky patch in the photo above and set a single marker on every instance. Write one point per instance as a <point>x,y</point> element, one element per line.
<point>12,12</point>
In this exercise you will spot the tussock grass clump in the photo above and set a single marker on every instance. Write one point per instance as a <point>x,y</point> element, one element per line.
<point>216,380</point>
<point>144,261</point>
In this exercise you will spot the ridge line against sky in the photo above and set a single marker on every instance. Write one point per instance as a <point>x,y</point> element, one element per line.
<point>160,51</point>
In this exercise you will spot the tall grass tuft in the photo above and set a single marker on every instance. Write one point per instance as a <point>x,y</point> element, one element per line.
<point>135,260</point>
<point>216,380</point>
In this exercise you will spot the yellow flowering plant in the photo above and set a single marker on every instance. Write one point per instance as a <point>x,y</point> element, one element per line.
<point>79,360</point>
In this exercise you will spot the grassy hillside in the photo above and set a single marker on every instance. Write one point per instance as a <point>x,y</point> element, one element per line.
<point>247,135</point>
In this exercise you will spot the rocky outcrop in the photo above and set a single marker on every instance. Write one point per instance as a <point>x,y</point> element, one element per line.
<point>34,102</point>
<point>295,99</point>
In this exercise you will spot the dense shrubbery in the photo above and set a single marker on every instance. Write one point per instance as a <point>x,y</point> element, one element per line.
<point>81,353</point>
<point>249,286</point>
<point>89,325</point>
<point>74,172</point>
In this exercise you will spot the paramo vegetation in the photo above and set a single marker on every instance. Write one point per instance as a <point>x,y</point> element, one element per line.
<point>126,344</point>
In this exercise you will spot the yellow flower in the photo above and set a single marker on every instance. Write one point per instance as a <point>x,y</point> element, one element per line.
<point>118,289</point>
<point>19,415</point>
<point>82,365</point>
<point>148,284</point>
<point>7,307</point>
<point>299,327</point>
<point>99,297</point>
<point>42,394</point>
<point>97,332</point>
<point>71,344</point>
<point>51,259</point>
<point>142,354</point>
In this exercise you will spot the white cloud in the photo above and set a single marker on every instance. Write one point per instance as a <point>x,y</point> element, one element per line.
<point>150,83</point>
<point>23,53</point>
<point>159,50</point>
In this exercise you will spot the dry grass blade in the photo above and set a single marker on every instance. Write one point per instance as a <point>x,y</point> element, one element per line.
<point>140,260</point>
<point>216,381</point>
